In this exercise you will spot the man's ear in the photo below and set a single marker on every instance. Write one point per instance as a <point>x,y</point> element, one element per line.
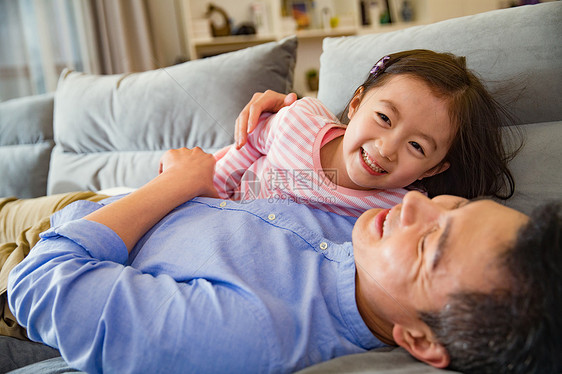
<point>355,101</point>
<point>435,170</point>
<point>421,345</point>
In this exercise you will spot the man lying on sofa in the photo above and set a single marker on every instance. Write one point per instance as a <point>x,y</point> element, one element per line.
<point>163,281</point>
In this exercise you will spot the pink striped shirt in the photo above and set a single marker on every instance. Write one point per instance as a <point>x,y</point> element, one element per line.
<point>281,160</point>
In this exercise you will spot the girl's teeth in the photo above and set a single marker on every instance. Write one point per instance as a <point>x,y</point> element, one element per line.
<point>371,164</point>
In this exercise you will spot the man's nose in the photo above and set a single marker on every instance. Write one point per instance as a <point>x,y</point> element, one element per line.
<point>418,208</point>
<point>387,147</point>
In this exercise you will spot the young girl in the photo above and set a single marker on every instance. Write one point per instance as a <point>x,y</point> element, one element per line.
<point>420,120</point>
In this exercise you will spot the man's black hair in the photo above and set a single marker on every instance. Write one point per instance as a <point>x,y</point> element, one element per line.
<point>517,329</point>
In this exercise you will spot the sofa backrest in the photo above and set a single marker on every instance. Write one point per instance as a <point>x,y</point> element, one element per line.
<point>26,142</point>
<point>110,131</point>
<point>518,54</point>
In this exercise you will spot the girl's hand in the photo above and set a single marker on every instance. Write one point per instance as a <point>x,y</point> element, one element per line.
<point>268,101</point>
<point>190,170</point>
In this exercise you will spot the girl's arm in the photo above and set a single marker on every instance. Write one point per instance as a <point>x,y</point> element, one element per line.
<point>184,174</point>
<point>268,101</point>
<point>233,165</point>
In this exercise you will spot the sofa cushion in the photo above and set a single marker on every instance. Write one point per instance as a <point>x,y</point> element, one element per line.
<point>26,141</point>
<point>537,168</point>
<point>387,360</point>
<point>111,130</point>
<point>516,51</point>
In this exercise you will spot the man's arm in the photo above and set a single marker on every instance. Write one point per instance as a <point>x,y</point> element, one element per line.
<point>184,174</point>
<point>74,291</point>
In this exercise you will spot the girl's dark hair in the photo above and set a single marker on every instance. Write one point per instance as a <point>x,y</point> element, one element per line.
<point>478,158</point>
<point>517,329</point>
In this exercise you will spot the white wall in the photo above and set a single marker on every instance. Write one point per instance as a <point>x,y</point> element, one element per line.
<point>167,34</point>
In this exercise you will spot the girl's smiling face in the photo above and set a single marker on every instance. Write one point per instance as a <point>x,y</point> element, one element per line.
<point>398,133</point>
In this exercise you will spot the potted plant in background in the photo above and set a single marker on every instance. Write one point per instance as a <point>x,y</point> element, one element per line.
<point>312,79</point>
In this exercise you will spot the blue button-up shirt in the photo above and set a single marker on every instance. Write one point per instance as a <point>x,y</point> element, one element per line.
<point>216,286</point>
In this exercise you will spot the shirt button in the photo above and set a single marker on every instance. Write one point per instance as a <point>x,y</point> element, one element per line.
<point>323,246</point>
<point>271,217</point>
<point>222,204</point>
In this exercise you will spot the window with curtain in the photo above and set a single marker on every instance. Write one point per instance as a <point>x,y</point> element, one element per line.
<point>39,38</point>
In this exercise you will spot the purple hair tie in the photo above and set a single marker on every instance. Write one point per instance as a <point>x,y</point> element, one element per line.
<point>380,66</point>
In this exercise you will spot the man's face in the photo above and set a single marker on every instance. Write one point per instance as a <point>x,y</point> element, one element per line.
<point>411,257</point>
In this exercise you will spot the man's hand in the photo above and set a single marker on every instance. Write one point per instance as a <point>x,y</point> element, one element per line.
<point>191,170</point>
<point>268,101</point>
<point>184,174</point>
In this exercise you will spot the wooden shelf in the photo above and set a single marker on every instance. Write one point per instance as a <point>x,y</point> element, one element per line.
<point>322,33</point>
<point>233,40</point>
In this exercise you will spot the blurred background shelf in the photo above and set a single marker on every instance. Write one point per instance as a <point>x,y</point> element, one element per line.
<point>311,21</point>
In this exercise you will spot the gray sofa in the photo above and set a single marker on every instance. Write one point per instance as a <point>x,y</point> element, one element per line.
<point>98,132</point>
